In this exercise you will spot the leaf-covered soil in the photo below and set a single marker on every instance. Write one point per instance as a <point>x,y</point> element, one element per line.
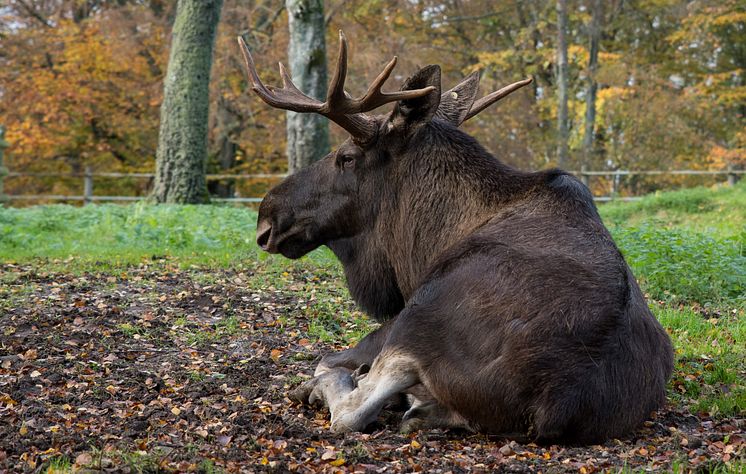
<point>157,368</point>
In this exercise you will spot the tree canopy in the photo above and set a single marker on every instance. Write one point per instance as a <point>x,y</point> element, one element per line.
<point>81,82</point>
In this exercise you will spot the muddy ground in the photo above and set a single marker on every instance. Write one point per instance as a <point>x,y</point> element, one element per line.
<point>161,369</point>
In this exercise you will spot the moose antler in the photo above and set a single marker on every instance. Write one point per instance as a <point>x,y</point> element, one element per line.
<point>493,97</point>
<point>339,107</point>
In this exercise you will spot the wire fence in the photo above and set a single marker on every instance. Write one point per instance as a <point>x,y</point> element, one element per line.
<point>88,177</point>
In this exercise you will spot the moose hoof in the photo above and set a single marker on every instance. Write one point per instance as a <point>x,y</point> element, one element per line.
<point>360,373</point>
<point>346,424</point>
<point>332,384</point>
<point>410,425</point>
<point>302,393</point>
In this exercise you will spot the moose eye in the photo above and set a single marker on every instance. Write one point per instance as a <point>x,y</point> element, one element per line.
<point>345,161</point>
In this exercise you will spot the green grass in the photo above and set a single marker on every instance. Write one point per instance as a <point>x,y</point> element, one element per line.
<point>720,211</point>
<point>710,350</point>
<point>105,237</point>
<point>687,248</point>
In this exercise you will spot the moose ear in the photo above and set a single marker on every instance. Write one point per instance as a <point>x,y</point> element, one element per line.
<point>410,114</point>
<point>456,103</point>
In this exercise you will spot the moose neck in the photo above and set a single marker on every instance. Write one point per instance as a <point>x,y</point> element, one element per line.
<point>438,192</point>
<point>447,187</point>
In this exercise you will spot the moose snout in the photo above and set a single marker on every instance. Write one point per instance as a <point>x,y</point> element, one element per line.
<point>263,231</point>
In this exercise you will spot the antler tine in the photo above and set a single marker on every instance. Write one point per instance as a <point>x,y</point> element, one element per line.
<point>339,107</point>
<point>337,101</point>
<point>288,98</point>
<point>490,99</point>
<point>287,81</point>
<point>375,98</point>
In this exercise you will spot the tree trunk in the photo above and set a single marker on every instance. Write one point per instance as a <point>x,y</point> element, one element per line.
<point>307,134</point>
<point>594,32</point>
<point>227,125</point>
<point>182,141</point>
<point>562,118</point>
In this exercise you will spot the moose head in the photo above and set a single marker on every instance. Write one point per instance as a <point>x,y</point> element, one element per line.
<point>338,196</point>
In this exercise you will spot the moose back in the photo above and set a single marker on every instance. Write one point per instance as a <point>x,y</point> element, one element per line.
<point>505,305</point>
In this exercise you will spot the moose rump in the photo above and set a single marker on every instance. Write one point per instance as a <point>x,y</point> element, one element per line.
<point>505,305</point>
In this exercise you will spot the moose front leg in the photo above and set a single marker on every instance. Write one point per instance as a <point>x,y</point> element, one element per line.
<point>362,354</point>
<point>355,402</point>
<point>392,373</point>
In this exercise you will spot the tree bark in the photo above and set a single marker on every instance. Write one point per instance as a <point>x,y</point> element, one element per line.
<point>307,134</point>
<point>563,127</point>
<point>227,124</point>
<point>594,33</point>
<point>182,141</point>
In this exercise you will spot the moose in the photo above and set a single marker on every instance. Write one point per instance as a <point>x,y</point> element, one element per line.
<point>505,305</point>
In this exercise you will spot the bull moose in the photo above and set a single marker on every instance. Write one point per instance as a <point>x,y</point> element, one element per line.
<point>505,305</point>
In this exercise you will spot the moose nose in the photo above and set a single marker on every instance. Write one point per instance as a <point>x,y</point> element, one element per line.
<point>263,230</point>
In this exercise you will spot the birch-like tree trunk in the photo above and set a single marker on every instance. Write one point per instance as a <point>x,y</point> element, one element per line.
<point>181,158</point>
<point>307,134</point>
<point>563,127</point>
<point>594,33</point>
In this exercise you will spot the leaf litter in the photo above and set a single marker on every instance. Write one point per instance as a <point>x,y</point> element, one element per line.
<point>152,370</point>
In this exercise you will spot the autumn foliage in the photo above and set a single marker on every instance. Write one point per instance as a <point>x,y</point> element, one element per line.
<point>81,82</point>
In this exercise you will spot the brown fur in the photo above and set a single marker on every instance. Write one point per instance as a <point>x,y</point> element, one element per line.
<point>503,285</point>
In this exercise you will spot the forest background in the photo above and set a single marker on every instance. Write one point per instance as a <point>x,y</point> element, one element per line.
<point>81,83</point>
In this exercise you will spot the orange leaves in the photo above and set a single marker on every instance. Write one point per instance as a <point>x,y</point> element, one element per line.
<point>75,91</point>
<point>275,354</point>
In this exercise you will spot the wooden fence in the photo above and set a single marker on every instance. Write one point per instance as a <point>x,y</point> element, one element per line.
<point>88,177</point>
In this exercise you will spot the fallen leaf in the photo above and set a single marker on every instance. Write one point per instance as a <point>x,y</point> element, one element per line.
<point>83,459</point>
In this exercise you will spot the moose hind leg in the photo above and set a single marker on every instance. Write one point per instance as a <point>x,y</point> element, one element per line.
<point>426,412</point>
<point>391,373</point>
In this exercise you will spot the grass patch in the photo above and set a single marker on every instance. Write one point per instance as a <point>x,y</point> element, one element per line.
<point>113,235</point>
<point>718,211</point>
<point>710,359</point>
<point>680,265</point>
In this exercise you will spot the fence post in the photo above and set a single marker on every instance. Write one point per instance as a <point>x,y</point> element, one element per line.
<point>3,169</point>
<point>585,178</point>
<point>88,185</point>
<point>613,185</point>
<point>732,178</point>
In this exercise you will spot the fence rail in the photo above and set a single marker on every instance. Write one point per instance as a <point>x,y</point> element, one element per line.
<point>88,176</point>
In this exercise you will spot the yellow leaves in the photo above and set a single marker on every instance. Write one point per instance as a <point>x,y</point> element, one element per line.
<point>499,60</point>
<point>23,431</point>
<point>730,18</point>
<point>332,457</point>
<point>6,400</point>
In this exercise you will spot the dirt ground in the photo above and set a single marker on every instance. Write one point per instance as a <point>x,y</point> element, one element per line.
<point>159,369</point>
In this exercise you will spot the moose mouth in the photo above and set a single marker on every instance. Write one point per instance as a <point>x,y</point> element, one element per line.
<point>290,243</point>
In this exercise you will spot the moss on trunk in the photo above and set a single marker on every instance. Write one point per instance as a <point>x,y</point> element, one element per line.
<point>182,142</point>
